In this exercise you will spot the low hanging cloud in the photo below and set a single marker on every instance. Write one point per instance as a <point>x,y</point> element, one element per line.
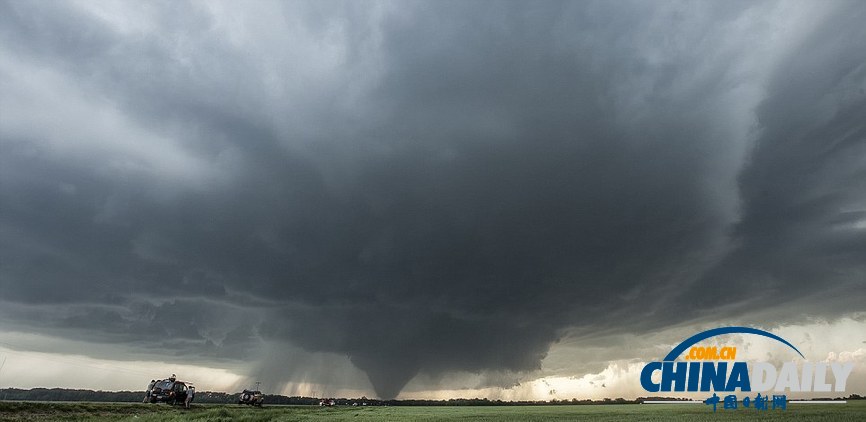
<point>424,187</point>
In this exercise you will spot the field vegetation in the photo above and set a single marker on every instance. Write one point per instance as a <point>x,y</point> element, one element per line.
<point>83,411</point>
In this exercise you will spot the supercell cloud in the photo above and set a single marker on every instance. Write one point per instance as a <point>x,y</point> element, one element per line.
<point>425,187</point>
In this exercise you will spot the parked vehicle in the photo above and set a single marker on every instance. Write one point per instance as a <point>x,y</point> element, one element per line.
<point>169,391</point>
<point>251,397</point>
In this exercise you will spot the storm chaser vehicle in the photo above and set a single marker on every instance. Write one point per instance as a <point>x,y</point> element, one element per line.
<point>251,397</point>
<point>168,391</point>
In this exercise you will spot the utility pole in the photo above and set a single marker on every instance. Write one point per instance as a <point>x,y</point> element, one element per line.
<point>1,370</point>
<point>257,385</point>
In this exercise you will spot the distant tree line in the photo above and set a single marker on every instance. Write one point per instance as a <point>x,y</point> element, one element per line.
<point>65,394</point>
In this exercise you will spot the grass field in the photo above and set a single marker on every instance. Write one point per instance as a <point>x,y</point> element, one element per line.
<point>42,411</point>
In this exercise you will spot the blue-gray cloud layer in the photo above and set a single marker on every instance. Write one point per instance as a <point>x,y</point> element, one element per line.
<point>425,186</point>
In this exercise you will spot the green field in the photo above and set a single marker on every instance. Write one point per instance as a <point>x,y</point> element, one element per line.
<point>43,411</point>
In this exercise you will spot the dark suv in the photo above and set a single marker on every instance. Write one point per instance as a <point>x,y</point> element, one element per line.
<point>168,391</point>
<point>251,397</point>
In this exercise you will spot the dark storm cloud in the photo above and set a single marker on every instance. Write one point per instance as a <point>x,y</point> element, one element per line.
<point>801,234</point>
<point>424,187</point>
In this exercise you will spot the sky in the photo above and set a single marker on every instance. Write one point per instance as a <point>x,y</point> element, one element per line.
<point>425,199</point>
